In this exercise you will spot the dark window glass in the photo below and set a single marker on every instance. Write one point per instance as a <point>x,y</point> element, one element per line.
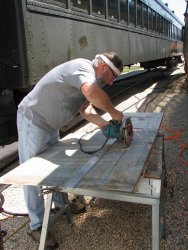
<point>123,11</point>
<point>98,7</point>
<point>154,21</point>
<point>172,31</point>
<point>150,18</point>
<point>161,25</point>
<point>164,27</point>
<point>80,4</point>
<point>157,23</point>
<point>145,16</point>
<point>139,13</point>
<point>175,32</point>
<point>168,29</point>
<point>179,34</point>
<point>113,8</point>
<point>132,11</point>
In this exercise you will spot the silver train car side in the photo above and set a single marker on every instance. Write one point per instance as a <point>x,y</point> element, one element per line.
<point>37,35</point>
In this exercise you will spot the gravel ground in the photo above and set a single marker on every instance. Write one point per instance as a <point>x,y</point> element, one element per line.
<point>113,225</point>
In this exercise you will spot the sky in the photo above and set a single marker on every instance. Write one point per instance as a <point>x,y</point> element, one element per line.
<point>178,6</point>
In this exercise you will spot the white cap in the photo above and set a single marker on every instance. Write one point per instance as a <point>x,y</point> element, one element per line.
<point>110,64</point>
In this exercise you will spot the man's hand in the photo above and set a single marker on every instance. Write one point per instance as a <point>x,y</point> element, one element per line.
<point>117,115</point>
<point>112,130</point>
<point>89,113</point>
<point>95,95</point>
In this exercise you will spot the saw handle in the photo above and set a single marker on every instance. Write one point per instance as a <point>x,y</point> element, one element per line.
<point>112,130</point>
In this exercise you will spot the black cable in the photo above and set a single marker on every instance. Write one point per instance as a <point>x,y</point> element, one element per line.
<point>14,214</point>
<point>94,151</point>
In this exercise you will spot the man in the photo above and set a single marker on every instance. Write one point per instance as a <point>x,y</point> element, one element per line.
<point>68,88</point>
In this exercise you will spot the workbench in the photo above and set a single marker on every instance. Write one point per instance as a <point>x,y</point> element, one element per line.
<point>114,172</point>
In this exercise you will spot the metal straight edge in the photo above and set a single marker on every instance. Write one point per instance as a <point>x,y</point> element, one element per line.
<point>114,195</point>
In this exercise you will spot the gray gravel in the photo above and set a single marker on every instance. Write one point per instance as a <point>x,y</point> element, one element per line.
<point>111,225</point>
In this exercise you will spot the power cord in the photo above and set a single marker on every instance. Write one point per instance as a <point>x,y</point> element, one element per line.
<point>94,151</point>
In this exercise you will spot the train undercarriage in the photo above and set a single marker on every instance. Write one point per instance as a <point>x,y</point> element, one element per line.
<point>169,63</point>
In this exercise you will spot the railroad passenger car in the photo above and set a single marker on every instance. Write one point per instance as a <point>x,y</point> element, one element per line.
<point>186,41</point>
<point>37,35</point>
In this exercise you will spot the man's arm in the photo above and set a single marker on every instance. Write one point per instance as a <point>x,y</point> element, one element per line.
<point>89,113</point>
<point>100,99</point>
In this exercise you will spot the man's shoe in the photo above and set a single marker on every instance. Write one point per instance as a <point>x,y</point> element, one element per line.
<point>76,207</point>
<point>51,243</point>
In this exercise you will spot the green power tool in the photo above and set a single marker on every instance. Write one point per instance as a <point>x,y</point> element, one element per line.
<point>122,131</point>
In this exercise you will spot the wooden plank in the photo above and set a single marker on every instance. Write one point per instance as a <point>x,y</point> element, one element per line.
<point>127,170</point>
<point>120,168</point>
<point>126,173</point>
<point>96,177</point>
<point>155,161</point>
<point>152,174</point>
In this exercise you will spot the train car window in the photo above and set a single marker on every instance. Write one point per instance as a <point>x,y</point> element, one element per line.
<point>139,13</point>
<point>154,21</point>
<point>161,25</point>
<point>99,7</point>
<point>175,32</point>
<point>172,32</point>
<point>145,16</point>
<point>80,5</point>
<point>123,11</point>
<point>169,29</point>
<point>179,35</point>
<point>157,23</point>
<point>166,27</point>
<point>113,9</point>
<point>132,11</point>
<point>150,26</point>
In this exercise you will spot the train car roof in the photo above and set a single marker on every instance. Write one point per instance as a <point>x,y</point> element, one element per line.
<point>165,11</point>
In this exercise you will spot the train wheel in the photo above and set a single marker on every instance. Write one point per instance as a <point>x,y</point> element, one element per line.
<point>172,63</point>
